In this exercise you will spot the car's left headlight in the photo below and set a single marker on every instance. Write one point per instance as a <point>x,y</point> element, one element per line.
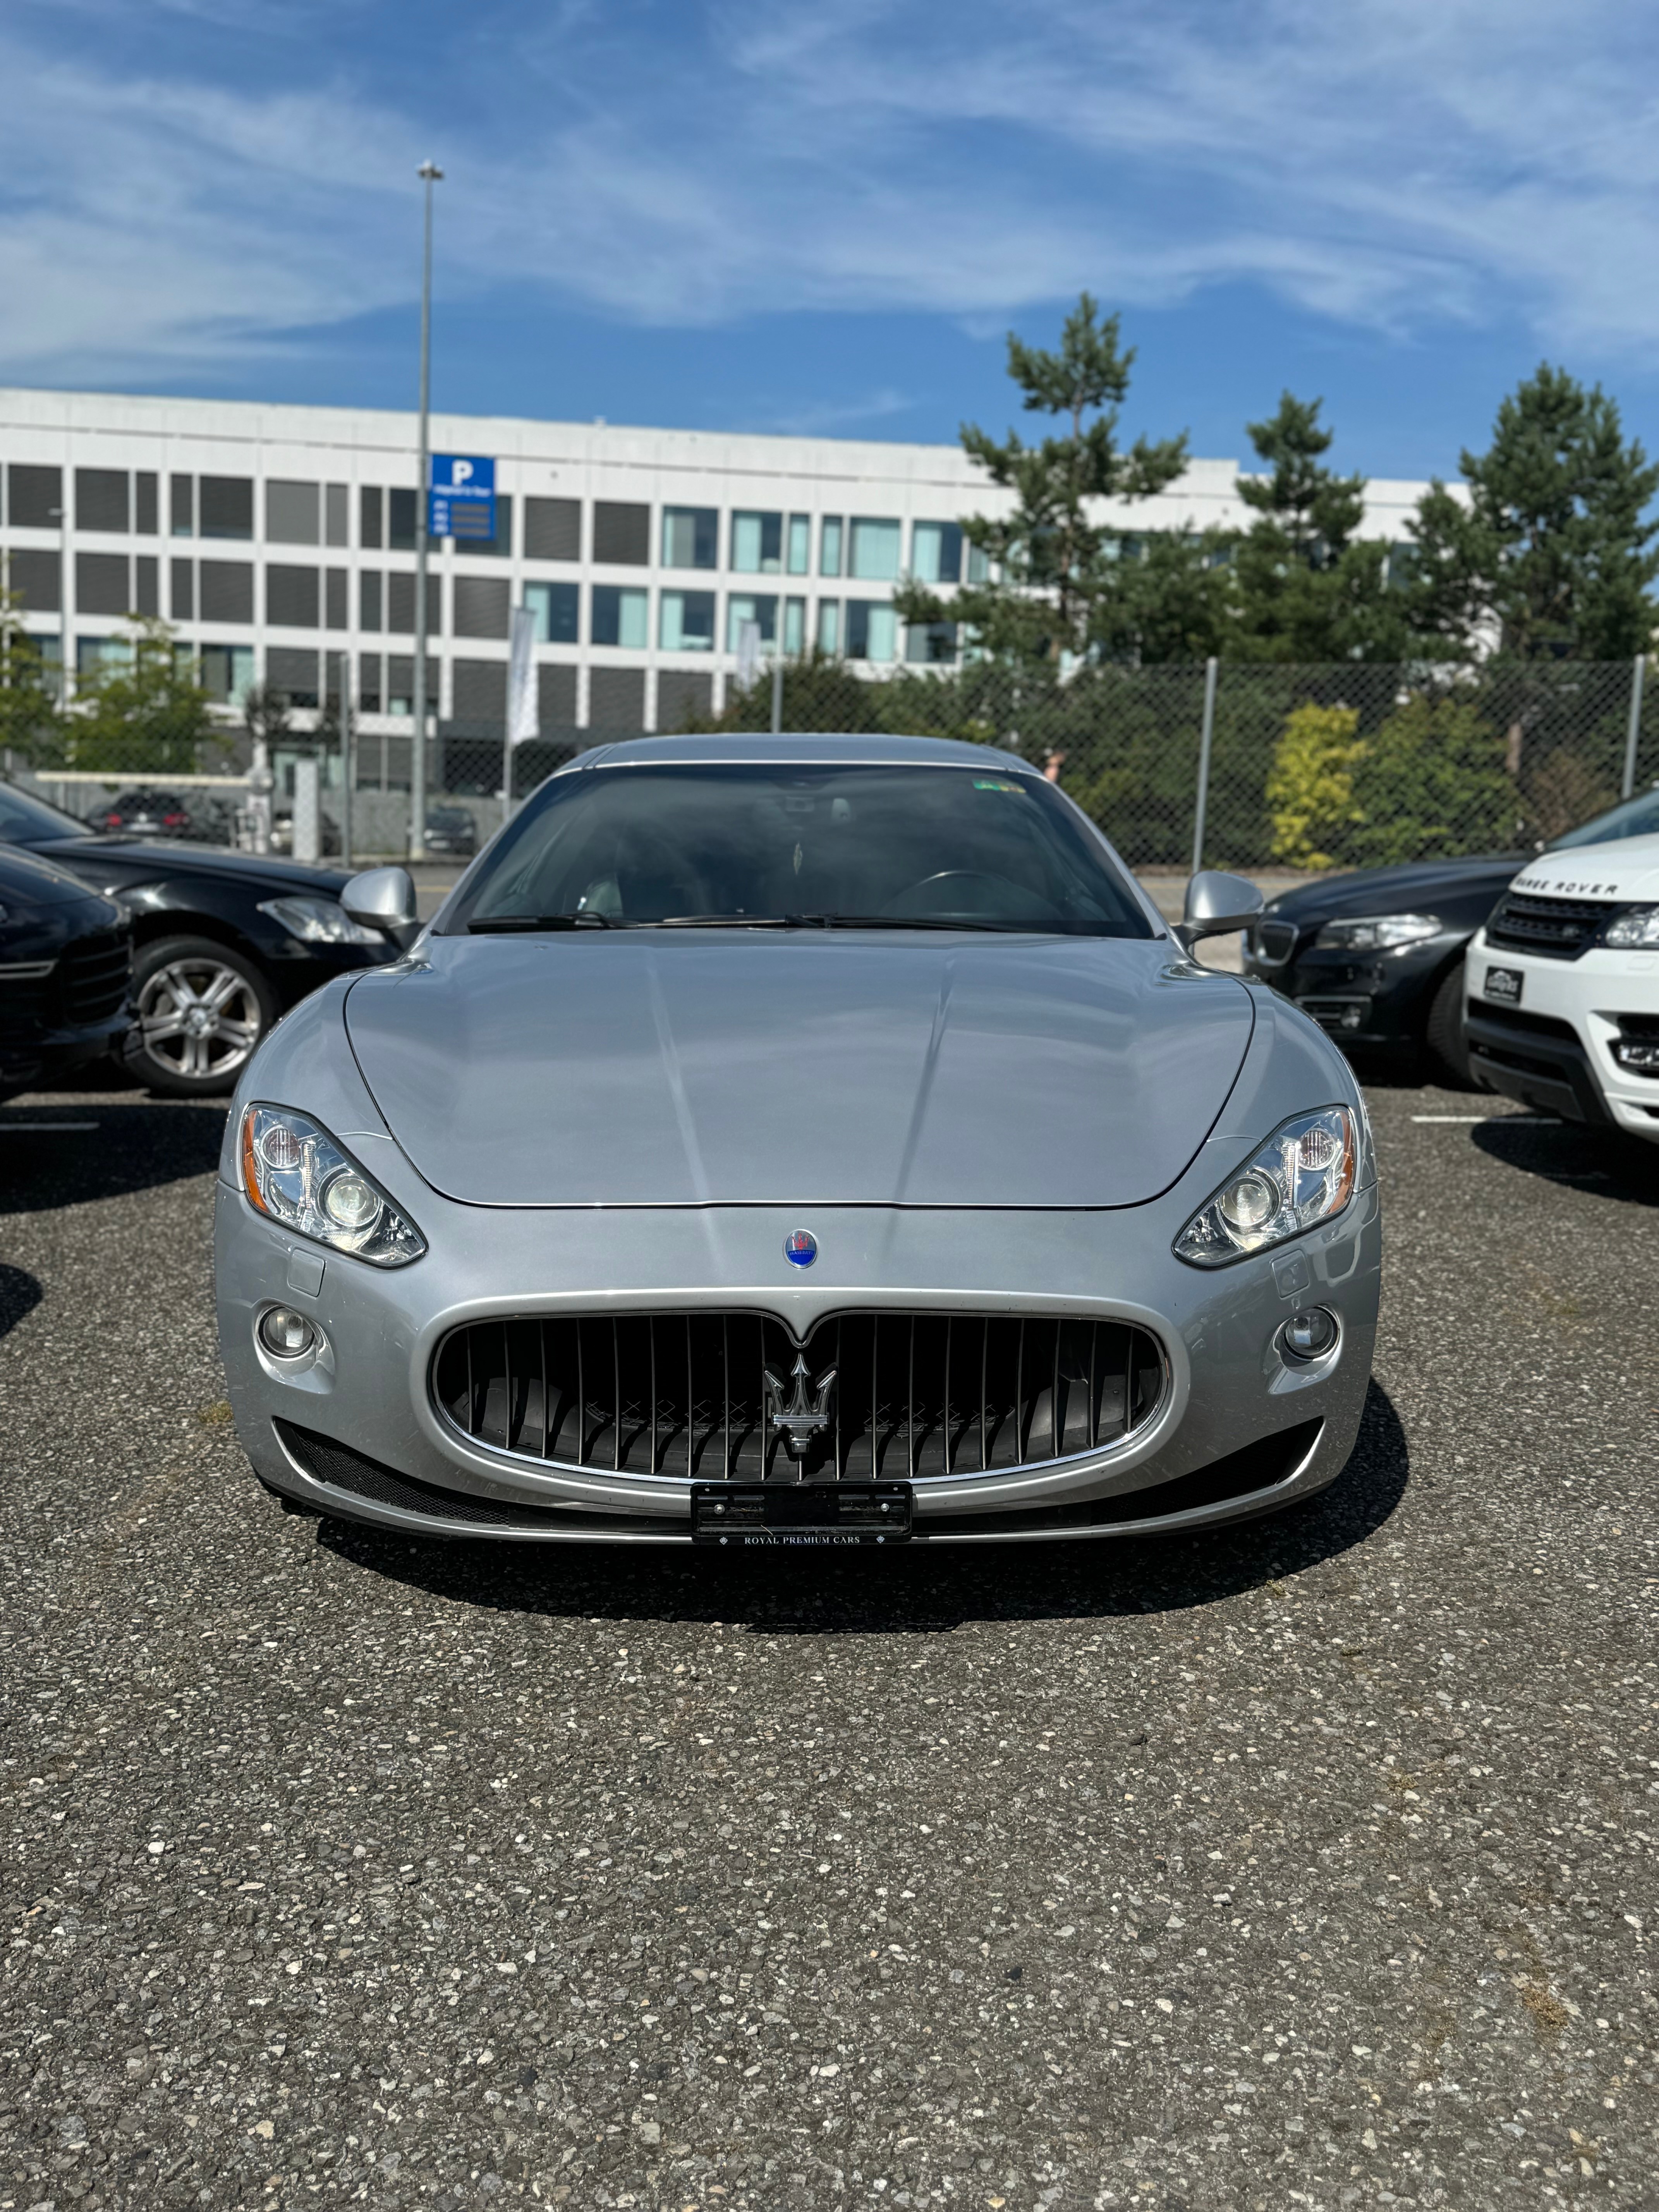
<point>294,1173</point>
<point>1377,932</point>
<point>1301,1176</point>
<point>1639,927</point>
<point>319,921</point>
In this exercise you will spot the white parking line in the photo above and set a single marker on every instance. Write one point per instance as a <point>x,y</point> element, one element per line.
<point>1540,1120</point>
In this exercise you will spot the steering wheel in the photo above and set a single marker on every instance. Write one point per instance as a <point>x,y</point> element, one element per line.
<point>964,876</point>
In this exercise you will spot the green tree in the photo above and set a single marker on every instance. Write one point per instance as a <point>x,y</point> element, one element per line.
<point>31,721</point>
<point>1547,555</point>
<point>1310,793</point>
<point>1432,779</point>
<point>1172,600</point>
<point>143,712</point>
<point>1052,564</point>
<point>1306,588</point>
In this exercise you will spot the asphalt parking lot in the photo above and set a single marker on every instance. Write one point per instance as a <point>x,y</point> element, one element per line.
<point>1306,1865</point>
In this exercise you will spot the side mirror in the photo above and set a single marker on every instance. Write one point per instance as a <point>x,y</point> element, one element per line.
<point>384,899</point>
<point>1215,904</point>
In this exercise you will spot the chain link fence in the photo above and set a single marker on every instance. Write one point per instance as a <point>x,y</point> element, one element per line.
<point>1258,768</point>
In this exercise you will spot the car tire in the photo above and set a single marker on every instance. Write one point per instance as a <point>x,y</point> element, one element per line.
<point>1444,1033</point>
<point>202,1008</point>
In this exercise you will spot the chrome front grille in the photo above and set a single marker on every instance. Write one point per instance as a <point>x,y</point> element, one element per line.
<point>1559,928</point>
<point>688,1394</point>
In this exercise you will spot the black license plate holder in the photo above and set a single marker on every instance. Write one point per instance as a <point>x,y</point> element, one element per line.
<point>804,1516</point>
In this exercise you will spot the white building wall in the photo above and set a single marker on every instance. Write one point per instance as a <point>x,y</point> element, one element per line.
<point>814,478</point>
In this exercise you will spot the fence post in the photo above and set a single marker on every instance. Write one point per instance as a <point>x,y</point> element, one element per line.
<point>1632,735</point>
<point>1206,738</point>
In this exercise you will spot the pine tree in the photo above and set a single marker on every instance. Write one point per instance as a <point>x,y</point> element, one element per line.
<point>1548,556</point>
<point>1052,565</point>
<point>1306,586</point>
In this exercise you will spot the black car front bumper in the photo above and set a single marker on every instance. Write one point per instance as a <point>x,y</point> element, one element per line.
<point>1376,1001</point>
<point>1535,1059</point>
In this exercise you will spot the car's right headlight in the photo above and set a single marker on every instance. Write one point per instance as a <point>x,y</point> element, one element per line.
<point>319,921</point>
<point>1639,927</point>
<point>294,1173</point>
<point>1302,1176</point>
<point>1377,932</point>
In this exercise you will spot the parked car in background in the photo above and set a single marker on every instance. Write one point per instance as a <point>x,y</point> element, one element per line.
<point>144,813</point>
<point>65,972</point>
<point>1563,986</point>
<point>224,943</point>
<point>1377,955</point>
<point>450,829</point>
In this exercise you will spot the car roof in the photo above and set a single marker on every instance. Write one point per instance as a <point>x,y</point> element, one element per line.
<point>826,749</point>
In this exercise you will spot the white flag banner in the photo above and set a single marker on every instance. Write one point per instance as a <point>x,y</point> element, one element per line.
<point>523,716</point>
<point>749,646</point>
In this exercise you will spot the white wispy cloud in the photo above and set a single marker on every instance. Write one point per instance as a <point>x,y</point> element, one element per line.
<point>1388,163</point>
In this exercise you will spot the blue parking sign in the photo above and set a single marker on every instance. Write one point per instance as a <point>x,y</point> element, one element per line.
<point>461,497</point>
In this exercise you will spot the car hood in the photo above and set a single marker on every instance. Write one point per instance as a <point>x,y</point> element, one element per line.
<point>692,1069</point>
<point>1425,886</point>
<point>1624,868</point>
<point>171,857</point>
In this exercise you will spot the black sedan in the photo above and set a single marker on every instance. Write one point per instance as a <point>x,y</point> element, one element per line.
<point>224,943</point>
<point>1377,956</point>
<point>65,973</point>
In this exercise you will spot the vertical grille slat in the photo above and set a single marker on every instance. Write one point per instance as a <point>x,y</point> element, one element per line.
<point>648,1395</point>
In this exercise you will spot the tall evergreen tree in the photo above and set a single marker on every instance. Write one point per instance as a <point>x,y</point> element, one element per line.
<point>1052,565</point>
<point>1548,556</point>
<point>1306,586</point>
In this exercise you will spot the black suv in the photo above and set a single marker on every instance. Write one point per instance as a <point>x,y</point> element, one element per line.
<point>224,943</point>
<point>65,973</point>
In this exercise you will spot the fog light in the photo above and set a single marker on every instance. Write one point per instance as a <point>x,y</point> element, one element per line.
<point>286,1334</point>
<point>1307,1335</point>
<point>1639,1054</point>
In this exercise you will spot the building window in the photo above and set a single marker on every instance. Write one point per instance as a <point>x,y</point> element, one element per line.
<point>979,565</point>
<point>146,585</point>
<point>621,533</point>
<point>336,607</point>
<point>872,630</point>
<point>292,512</point>
<point>691,538</point>
<point>144,502</point>
<point>369,677</point>
<point>483,605</point>
<point>370,600</point>
<point>479,693</point>
<point>936,552</point>
<point>292,669</point>
<point>93,654</point>
<point>501,543</point>
<point>750,607</point>
<point>101,500</point>
<point>829,630</point>
<point>36,574</point>
<point>400,685</point>
<point>555,694</point>
<point>687,622</point>
<point>756,544</point>
<point>371,516</point>
<point>830,546</point>
<point>181,505</point>
<point>293,601</point>
<point>620,617</point>
<point>794,626</point>
<point>556,609</point>
<point>226,672</point>
<point>616,698</point>
<point>103,584</point>
<point>400,524</point>
<point>338,521</point>
<point>226,591</point>
<point>226,507</point>
<point>34,496</point>
<point>552,529</point>
<point>931,644</point>
<point>183,599</point>
<point>875,550</point>
<point>400,603</point>
<point>800,544</point>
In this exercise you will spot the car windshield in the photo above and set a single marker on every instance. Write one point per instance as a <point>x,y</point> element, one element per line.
<point>783,845</point>
<point>1635,817</point>
<point>26,820</point>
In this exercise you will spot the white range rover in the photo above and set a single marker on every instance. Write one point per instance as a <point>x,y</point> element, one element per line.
<point>1563,1010</point>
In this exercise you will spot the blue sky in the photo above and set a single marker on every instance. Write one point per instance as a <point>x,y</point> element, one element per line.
<point>823,214</point>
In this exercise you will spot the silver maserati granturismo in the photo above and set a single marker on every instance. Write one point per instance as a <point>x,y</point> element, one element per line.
<point>803,1141</point>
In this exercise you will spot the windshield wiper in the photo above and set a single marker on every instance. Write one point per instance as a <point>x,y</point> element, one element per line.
<point>819,921</point>
<point>501,925</point>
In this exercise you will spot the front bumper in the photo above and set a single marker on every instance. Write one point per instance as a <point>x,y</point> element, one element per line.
<point>1553,1048</point>
<point>1376,1001</point>
<point>368,1397</point>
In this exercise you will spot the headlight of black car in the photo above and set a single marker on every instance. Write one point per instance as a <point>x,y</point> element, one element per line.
<point>1377,932</point>
<point>1302,1176</point>
<point>319,921</point>
<point>294,1173</point>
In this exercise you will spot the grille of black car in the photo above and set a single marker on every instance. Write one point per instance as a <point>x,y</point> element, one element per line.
<point>687,1395</point>
<point>1275,941</point>
<point>94,977</point>
<point>1557,928</point>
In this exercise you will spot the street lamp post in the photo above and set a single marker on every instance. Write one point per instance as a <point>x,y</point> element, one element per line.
<point>430,174</point>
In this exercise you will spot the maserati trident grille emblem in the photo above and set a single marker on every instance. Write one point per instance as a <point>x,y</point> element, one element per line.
<point>807,1411</point>
<point>801,1248</point>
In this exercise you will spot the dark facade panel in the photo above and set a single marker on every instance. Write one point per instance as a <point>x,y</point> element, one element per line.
<point>400,603</point>
<point>34,496</point>
<point>103,584</point>
<point>292,669</point>
<point>483,607</point>
<point>36,577</point>
<point>146,585</point>
<point>182,598</point>
<point>144,488</point>
<point>227,592</point>
<point>293,600</point>
<point>616,699</point>
<point>371,598</point>
<point>555,697</point>
<point>337,611</point>
<point>181,507</point>
<point>479,691</point>
<point>225,507</point>
<point>292,512</point>
<point>371,516</point>
<point>552,529</point>
<point>337,515</point>
<point>622,533</point>
<point>103,500</point>
<point>681,693</point>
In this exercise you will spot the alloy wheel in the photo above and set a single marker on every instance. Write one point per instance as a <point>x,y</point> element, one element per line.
<point>199,1018</point>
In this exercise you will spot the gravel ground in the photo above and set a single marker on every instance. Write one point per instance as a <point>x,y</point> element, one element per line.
<point>1305,1865</point>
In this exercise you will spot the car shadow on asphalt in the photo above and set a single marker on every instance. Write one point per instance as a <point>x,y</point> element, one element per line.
<point>921,1589</point>
<point>136,1144</point>
<point>1603,1163</point>
<point>20,1294</point>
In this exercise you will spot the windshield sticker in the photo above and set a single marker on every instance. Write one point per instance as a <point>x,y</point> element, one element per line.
<point>994,783</point>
